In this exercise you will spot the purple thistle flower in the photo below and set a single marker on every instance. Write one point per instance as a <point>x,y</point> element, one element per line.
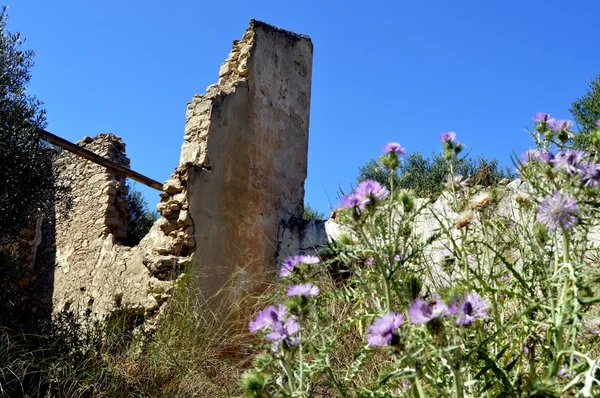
<point>562,125</point>
<point>349,201</point>
<point>564,373</point>
<point>368,191</point>
<point>547,156</point>
<point>541,117</point>
<point>303,289</point>
<point>591,175</point>
<point>371,190</point>
<point>558,210</point>
<point>383,328</point>
<point>448,137</point>
<point>552,124</point>
<point>280,325</point>
<point>284,331</point>
<point>471,308</point>
<point>397,257</point>
<point>405,386</point>
<point>422,311</point>
<point>264,320</point>
<point>267,318</point>
<point>531,155</point>
<point>370,262</point>
<point>597,122</point>
<point>352,201</point>
<point>394,147</point>
<point>288,265</point>
<point>534,155</point>
<point>572,162</point>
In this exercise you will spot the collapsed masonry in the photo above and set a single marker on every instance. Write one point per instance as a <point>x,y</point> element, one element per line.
<point>241,175</point>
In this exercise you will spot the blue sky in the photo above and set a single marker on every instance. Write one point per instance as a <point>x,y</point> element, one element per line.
<point>383,71</point>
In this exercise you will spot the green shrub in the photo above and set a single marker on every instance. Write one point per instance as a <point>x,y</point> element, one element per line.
<point>586,111</point>
<point>427,176</point>
<point>311,214</point>
<point>27,184</point>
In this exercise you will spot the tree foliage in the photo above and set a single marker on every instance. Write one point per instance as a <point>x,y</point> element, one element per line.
<point>586,111</point>
<point>426,176</point>
<point>140,218</point>
<point>27,184</point>
<point>311,213</point>
<point>26,180</point>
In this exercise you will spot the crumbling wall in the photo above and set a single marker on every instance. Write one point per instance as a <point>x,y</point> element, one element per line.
<point>241,174</point>
<point>249,134</point>
<point>94,273</point>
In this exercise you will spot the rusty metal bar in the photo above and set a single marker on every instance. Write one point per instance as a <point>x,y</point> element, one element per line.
<point>91,156</point>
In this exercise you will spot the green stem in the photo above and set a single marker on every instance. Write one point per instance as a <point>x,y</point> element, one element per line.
<point>560,310</point>
<point>286,370</point>
<point>333,380</point>
<point>300,355</point>
<point>458,383</point>
<point>388,292</point>
<point>420,392</point>
<point>454,200</point>
<point>566,247</point>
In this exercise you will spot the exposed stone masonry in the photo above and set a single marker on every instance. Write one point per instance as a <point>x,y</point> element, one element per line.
<point>94,273</point>
<point>172,250</point>
<point>232,74</point>
<point>98,195</point>
<point>235,66</point>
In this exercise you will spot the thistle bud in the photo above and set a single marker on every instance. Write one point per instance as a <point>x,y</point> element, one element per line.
<point>390,161</point>
<point>458,147</point>
<point>254,383</point>
<point>407,200</point>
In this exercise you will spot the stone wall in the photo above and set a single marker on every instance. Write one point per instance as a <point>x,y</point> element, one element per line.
<point>249,133</point>
<point>241,176</point>
<point>94,274</point>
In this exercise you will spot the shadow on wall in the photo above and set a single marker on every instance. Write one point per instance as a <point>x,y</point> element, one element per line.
<point>28,270</point>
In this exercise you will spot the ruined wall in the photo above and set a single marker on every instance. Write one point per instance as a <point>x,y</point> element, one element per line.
<point>250,134</point>
<point>241,175</point>
<point>93,273</point>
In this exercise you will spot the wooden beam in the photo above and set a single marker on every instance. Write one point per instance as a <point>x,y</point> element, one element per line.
<point>91,156</point>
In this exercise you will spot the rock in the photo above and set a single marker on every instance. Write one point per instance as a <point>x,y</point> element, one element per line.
<point>180,198</point>
<point>236,213</point>
<point>227,68</point>
<point>173,186</point>
<point>167,225</point>
<point>160,263</point>
<point>242,71</point>
<point>184,219</point>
